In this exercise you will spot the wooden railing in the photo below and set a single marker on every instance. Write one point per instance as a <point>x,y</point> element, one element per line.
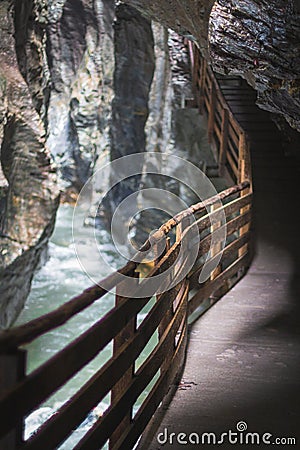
<point>228,139</point>
<point>129,332</point>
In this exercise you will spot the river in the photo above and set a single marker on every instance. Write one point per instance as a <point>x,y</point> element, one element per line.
<point>57,281</point>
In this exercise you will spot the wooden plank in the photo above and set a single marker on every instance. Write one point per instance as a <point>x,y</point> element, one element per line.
<point>219,111</point>
<point>210,287</point>
<point>244,160</point>
<point>24,334</point>
<point>69,416</point>
<point>233,165</point>
<point>231,227</point>
<point>12,370</point>
<point>235,137</point>
<point>155,397</point>
<point>229,209</point>
<point>96,437</point>
<point>223,142</point>
<point>211,112</point>
<point>180,293</point>
<point>202,64</point>
<point>172,295</point>
<point>202,206</point>
<point>216,247</point>
<point>233,150</point>
<point>244,172</point>
<point>120,387</point>
<point>231,248</point>
<point>234,123</point>
<point>218,132</point>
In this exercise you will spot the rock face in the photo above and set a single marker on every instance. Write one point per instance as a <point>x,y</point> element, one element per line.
<point>56,90</point>
<point>260,41</point>
<point>158,125</point>
<point>189,18</point>
<point>257,39</point>
<point>80,49</point>
<point>29,196</point>
<point>134,59</point>
<point>134,67</point>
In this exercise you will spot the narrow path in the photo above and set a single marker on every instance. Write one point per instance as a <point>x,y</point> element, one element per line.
<point>243,356</point>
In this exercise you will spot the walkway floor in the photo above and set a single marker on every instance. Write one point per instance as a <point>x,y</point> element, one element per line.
<point>243,357</point>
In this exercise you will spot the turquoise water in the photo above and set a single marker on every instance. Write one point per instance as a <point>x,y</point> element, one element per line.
<point>60,279</point>
<point>56,282</point>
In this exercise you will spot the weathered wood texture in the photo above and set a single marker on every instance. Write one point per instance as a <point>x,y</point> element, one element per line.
<point>227,137</point>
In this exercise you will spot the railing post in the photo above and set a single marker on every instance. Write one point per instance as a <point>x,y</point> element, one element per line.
<point>201,82</point>
<point>196,73</point>
<point>12,370</point>
<point>244,159</point>
<point>224,142</point>
<point>211,112</point>
<point>121,386</point>
<point>166,319</point>
<point>217,247</point>
<point>244,174</point>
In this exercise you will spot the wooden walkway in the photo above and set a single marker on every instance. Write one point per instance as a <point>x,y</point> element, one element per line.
<point>242,359</point>
<point>243,354</point>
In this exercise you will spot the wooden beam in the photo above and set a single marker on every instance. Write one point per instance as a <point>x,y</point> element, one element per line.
<point>12,370</point>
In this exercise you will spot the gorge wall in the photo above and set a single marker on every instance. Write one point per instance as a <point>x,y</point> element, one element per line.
<point>81,64</point>
<point>29,194</point>
<point>65,101</point>
<point>56,76</point>
<point>258,40</point>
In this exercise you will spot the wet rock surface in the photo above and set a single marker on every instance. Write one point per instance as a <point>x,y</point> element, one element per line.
<point>189,18</point>
<point>29,193</point>
<point>257,39</point>
<point>80,52</point>
<point>134,56</point>
<point>134,67</point>
<point>260,41</point>
<point>157,127</point>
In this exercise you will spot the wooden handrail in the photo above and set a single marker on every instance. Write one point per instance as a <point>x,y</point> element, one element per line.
<point>166,320</point>
<point>24,334</point>
<point>228,139</point>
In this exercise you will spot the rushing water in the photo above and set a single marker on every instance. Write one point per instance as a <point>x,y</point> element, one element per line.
<point>60,279</point>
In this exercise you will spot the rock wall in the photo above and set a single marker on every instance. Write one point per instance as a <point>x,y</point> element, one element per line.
<point>189,18</point>
<point>80,52</point>
<point>260,41</point>
<point>134,68</point>
<point>257,39</point>
<point>29,196</point>
<point>134,59</point>
<point>56,89</point>
<point>158,125</point>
